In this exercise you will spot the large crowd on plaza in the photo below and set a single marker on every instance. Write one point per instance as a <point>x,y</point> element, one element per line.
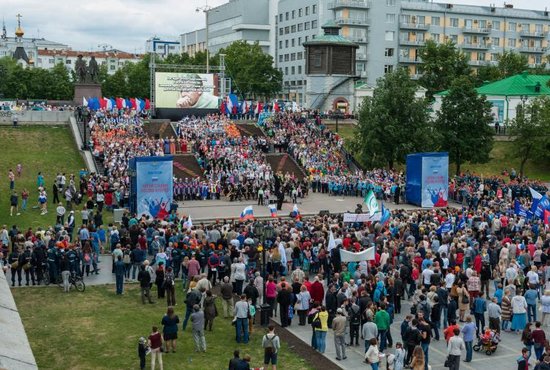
<point>487,275</point>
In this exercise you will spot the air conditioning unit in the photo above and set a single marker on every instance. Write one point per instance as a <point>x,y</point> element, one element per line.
<point>413,19</point>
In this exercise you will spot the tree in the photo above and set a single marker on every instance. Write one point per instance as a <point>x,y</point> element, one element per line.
<point>393,123</point>
<point>463,123</point>
<point>511,63</point>
<point>530,131</point>
<point>441,64</point>
<point>62,87</point>
<point>251,70</point>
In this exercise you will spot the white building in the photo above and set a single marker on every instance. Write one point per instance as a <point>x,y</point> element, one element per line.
<point>113,59</point>
<point>163,47</point>
<point>193,42</point>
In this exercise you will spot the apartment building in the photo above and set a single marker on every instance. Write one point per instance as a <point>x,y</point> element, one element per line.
<point>193,42</point>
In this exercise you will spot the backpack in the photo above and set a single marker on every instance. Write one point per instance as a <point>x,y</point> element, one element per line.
<point>355,317</point>
<point>126,258</point>
<point>269,348</point>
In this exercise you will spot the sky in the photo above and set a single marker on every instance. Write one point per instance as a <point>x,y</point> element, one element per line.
<point>126,24</point>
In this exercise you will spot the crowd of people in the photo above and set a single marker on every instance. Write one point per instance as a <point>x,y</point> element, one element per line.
<point>488,275</point>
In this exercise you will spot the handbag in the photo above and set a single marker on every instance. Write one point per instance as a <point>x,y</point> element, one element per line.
<point>447,362</point>
<point>316,324</point>
<point>465,299</point>
<point>15,265</point>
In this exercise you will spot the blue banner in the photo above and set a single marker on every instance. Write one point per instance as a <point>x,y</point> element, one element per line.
<point>154,186</point>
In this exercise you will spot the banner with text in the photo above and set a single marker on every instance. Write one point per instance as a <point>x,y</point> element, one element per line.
<point>366,255</point>
<point>362,217</point>
<point>154,186</point>
<point>185,90</point>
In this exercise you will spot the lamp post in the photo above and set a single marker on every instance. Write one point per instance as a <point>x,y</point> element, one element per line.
<point>263,233</point>
<point>205,9</point>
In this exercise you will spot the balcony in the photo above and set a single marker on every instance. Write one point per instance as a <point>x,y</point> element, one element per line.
<point>476,46</point>
<point>350,4</point>
<point>535,35</point>
<point>352,21</point>
<point>532,50</point>
<point>359,40</point>
<point>478,63</point>
<point>476,30</point>
<point>409,60</point>
<point>407,42</point>
<point>414,26</point>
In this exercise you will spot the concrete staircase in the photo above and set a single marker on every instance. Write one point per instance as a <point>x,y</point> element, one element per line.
<point>186,166</point>
<point>159,128</point>
<point>282,162</point>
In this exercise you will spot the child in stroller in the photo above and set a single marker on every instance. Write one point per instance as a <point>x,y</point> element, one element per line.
<point>487,342</point>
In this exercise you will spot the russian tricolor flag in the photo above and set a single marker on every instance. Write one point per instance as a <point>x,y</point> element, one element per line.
<point>247,213</point>
<point>273,210</point>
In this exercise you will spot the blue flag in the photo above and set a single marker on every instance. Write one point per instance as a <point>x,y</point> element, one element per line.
<point>519,210</point>
<point>544,204</point>
<point>385,215</point>
<point>461,222</point>
<point>446,227</point>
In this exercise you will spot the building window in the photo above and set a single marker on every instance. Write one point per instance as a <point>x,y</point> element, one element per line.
<point>51,61</point>
<point>538,28</point>
<point>293,14</point>
<point>454,39</point>
<point>286,43</point>
<point>306,26</point>
<point>68,61</point>
<point>496,41</point>
<point>388,68</point>
<point>317,60</point>
<point>436,21</point>
<point>293,29</point>
<point>389,35</point>
<point>281,17</point>
<point>112,67</point>
<point>287,30</point>
<point>512,26</point>
<point>299,41</point>
<point>280,44</point>
<point>390,18</point>
<point>307,38</point>
<point>453,22</point>
<point>293,70</point>
<point>286,70</point>
<point>388,52</point>
<point>39,60</point>
<point>390,2</point>
<point>280,58</point>
<point>436,37</point>
<point>293,56</point>
<point>299,55</point>
<point>512,43</point>
<point>314,9</point>
<point>307,10</point>
<point>300,27</point>
<point>281,31</point>
<point>300,12</point>
<point>313,24</point>
<point>286,16</point>
<point>300,72</point>
<point>292,43</point>
<point>287,58</point>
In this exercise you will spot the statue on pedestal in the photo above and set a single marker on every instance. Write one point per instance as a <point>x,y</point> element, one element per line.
<point>80,69</point>
<point>93,70</point>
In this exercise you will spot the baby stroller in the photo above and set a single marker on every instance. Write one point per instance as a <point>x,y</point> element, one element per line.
<point>487,343</point>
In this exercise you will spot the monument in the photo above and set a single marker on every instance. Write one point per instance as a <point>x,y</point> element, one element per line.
<point>87,84</point>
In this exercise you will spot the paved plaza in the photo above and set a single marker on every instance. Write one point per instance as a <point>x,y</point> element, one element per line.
<point>311,205</point>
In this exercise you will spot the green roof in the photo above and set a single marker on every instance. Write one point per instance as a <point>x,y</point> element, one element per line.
<point>330,40</point>
<point>522,84</point>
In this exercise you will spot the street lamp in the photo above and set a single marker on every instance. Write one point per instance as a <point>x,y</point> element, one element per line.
<point>264,233</point>
<point>205,9</point>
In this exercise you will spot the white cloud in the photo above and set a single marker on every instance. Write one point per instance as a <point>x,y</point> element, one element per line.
<point>123,24</point>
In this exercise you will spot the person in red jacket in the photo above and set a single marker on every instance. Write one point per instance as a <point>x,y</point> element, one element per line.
<point>213,264</point>
<point>317,291</point>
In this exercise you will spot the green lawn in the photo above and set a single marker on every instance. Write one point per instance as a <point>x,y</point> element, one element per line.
<point>99,330</point>
<point>48,149</point>
<point>501,158</point>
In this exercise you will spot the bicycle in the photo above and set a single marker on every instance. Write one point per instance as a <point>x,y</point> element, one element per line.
<point>74,280</point>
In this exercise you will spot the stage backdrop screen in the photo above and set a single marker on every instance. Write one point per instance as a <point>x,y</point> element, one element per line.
<point>185,90</point>
<point>154,186</point>
<point>435,181</point>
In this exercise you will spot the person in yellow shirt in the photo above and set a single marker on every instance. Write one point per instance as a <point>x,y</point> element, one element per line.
<point>321,332</point>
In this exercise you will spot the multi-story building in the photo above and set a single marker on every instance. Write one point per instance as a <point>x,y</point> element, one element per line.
<point>389,32</point>
<point>112,59</point>
<point>163,47</point>
<point>193,42</point>
<point>248,20</point>
<point>481,32</point>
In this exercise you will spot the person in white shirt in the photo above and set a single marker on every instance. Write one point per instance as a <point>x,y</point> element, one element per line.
<point>427,276</point>
<point>454,350</point>
<point>533,276</point>
<point>450,279</point>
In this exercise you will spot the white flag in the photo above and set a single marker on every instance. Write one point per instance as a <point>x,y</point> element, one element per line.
<point>331,242</point>
<point>372,203</point>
